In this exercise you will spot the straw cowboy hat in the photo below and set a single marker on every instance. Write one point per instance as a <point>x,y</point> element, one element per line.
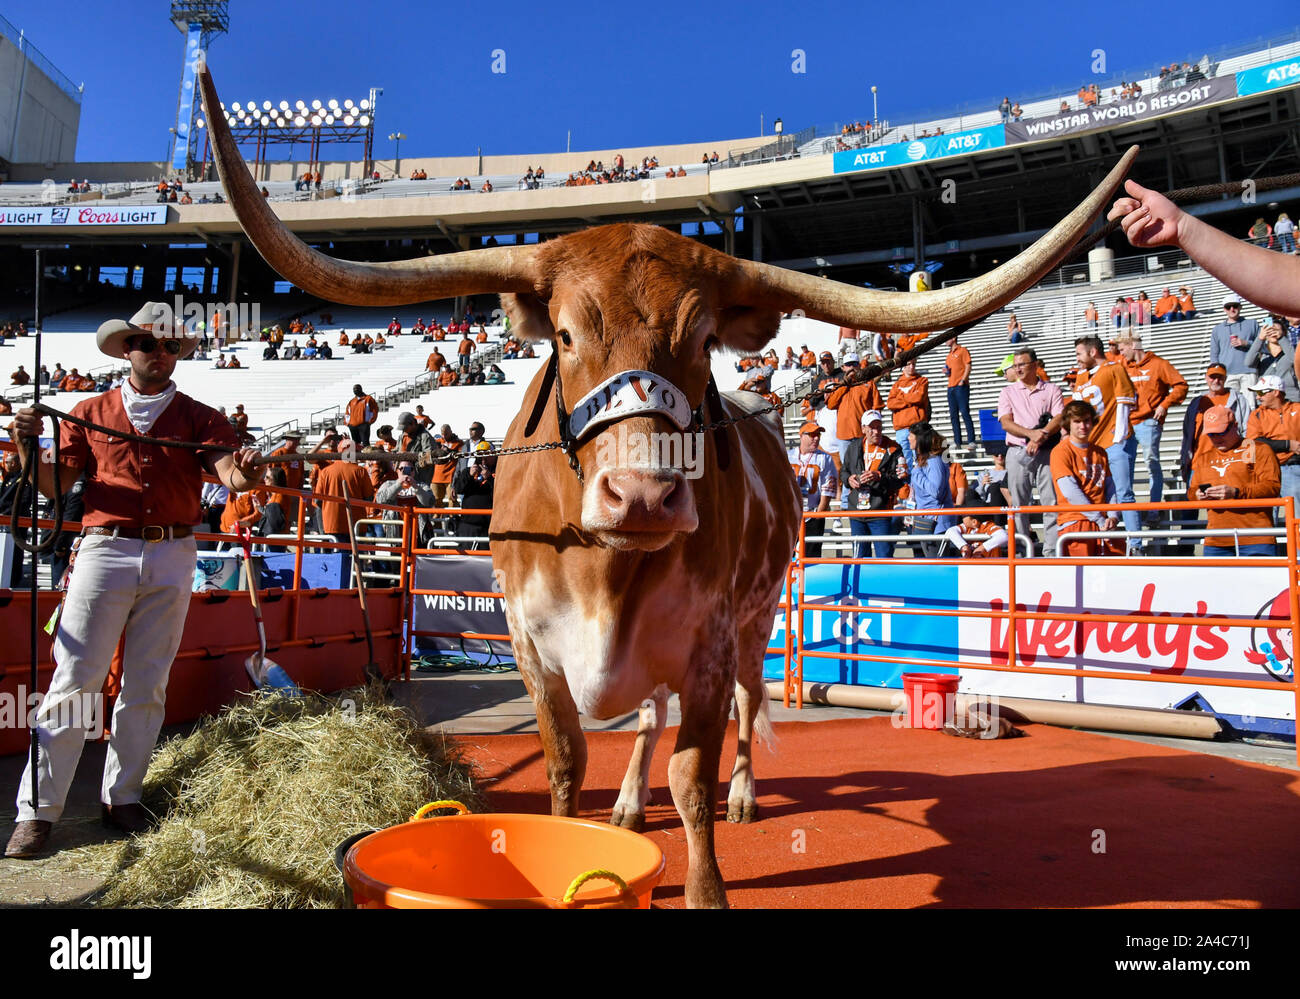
<point>154,317</point>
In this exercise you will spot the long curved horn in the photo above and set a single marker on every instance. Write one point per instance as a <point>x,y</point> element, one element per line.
<point>753,283</point>
<point>400,282</point>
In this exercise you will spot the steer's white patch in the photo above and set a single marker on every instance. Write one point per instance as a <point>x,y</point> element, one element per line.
<point>574,633</point>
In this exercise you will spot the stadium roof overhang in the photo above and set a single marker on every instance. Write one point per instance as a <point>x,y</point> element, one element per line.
<point>1008,195</point>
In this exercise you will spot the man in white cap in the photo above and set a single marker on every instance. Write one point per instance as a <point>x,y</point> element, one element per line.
<point>817,480</point>
<point>874,471</point>
<point>1276,424</point>
<point>1229,342</point>
<point>132,568</point>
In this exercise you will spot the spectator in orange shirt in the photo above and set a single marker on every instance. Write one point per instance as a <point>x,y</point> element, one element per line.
<point>957,368</point>
<point>1081,477</point>
<point>1090,316</point>
<point>1234,468</point>
<point>233,362</point>
<point>1217,394</point>
<point>362,411</point>
<point>851,399</point>
<point>807,359</point>
<point>1167,308</point>
<point>336,518</point>
<point>972,523</point>
<point>908,341</point>
<point>958,483</point>
<point>909,401</point>
<point>447,377</point>
<point>445,457</point>
<point>464,349</point>
<point>1186,304</point>
<point>1107,386</point>
<point>481,335</point>
<point>436,361</point>
<point>1159,388</point>
<point>1276,423</point>
<point>343,338</point>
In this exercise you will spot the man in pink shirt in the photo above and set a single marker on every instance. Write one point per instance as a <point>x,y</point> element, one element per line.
<point>1030,412</point>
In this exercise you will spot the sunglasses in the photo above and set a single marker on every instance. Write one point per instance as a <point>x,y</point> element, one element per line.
<point>148,344</point>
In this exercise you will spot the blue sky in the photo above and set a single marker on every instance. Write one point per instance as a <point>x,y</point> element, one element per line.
<point>651,73</point>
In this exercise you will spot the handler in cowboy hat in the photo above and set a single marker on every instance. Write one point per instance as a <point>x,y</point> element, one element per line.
<point>132,567</point>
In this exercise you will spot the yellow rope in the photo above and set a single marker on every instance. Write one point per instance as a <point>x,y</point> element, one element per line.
<point>586,876</point>
<point>433,806</point>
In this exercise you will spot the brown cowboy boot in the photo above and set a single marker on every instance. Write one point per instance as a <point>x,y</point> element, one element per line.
<point>29,839</point>
<point>132,818</point>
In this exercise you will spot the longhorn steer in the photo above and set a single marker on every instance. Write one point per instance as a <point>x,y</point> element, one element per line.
<point>623,578</point>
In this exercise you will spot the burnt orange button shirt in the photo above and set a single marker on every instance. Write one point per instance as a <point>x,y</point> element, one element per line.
<point>133,485</point>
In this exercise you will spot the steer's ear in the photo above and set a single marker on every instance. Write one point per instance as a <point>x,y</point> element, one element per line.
<point>529,317</point>
<point>745,328</point>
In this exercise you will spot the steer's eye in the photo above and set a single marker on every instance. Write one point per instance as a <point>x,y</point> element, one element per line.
<point>710,343</point>
<point>565,338</point>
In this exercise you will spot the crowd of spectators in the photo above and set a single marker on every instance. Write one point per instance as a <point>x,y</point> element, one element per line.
<point>171,191</point>
<point>1073,444</point>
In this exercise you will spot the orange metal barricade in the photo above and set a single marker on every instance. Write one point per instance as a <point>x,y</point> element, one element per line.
<point>793,650</point>
<point>795,606</point>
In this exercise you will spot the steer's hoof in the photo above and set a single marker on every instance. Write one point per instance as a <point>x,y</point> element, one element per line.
<point>742,811</point>
<point>625,818</point>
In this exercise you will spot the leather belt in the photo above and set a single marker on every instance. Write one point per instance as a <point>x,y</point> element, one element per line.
<point>152,532</point>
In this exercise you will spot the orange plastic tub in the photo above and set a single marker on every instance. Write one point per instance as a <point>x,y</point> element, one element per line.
<point>501,862</point>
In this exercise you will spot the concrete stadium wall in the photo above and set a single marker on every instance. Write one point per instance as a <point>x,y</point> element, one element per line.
<point>46,129</point>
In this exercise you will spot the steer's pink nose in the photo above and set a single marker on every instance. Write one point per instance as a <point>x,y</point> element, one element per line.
<point>637,501</point>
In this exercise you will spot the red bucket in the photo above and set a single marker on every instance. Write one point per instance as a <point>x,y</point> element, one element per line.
<point>930,699</point>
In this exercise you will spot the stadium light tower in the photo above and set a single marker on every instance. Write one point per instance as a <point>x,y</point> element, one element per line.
<point>397,137</point>
<point>200,21</point>
<point>874,116</point>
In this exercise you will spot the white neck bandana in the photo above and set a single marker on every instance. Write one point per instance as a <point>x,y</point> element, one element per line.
<point>143,410</point>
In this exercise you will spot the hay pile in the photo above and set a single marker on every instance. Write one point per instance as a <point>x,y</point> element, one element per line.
<point>256,799</point>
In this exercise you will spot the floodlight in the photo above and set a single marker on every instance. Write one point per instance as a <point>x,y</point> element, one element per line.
<point>284,105</point>
<point>365,105</point>
<point>315,105</point>
<point>199,122</point>
<point>300,105</point>
<point>333,104</point>
<point>365,120</point>
<point>348,104</point>
<point>315,121</point>
<point>347,119</point>
<point>329,119</point>
<point>300,121</point>
<point>265,121</point>
<point>266,105</point>
<point>235,107</point>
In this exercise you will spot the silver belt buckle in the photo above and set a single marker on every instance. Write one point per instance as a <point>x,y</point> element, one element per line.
<point>145,533</point>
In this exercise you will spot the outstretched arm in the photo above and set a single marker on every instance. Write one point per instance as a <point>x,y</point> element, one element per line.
<point>1269,280</point>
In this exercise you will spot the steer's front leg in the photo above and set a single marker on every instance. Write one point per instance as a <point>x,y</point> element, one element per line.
<point>563,742</point>
<point>693,771</point>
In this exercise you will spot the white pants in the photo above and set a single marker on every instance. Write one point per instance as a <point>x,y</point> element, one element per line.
<point>116,583</point>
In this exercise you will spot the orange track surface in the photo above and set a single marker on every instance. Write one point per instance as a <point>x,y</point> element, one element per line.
<point>905,819</point>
